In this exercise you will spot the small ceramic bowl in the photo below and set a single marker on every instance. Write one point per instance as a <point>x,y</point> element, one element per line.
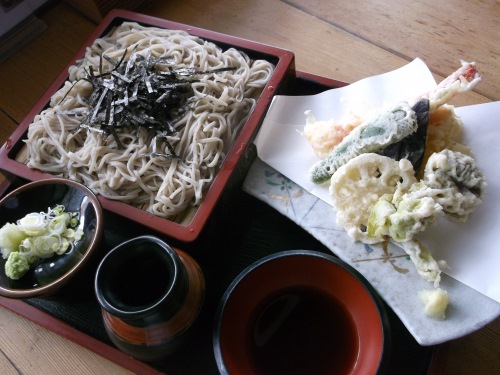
<point>300,312</point>
<point>48,276</point>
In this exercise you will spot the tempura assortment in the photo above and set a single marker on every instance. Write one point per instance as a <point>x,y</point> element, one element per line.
<point>392,174</point>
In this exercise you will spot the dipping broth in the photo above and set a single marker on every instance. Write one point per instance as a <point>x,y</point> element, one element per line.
<point>302,330</point>
<point>139,279</point>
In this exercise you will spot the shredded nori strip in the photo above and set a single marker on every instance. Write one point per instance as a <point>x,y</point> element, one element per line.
<point>137,93</point>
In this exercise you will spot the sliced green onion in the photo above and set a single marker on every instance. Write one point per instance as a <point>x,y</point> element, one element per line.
<point>73,222</point>
<point>39,235</point>
<point>69,233</point>
<point>33,224</point>
<point>78,235</point>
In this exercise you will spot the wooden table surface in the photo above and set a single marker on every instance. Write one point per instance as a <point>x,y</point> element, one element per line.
<point>344,40</point>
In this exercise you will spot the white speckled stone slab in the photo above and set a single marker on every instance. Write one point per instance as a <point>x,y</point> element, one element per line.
<point>390,271</point>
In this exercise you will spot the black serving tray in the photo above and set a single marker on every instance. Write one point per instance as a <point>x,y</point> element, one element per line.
<point>243,230</point>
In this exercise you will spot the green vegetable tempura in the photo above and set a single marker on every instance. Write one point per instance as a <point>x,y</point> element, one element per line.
<point>401,217</point>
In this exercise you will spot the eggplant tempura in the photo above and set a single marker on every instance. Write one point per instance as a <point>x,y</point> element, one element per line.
<point>337,142</point>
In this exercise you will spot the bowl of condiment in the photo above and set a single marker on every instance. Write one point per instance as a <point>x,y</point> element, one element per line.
<point>50,230</point>
<point>299,312</point>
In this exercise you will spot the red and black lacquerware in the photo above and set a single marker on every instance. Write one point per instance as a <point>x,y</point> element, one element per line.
<point>238,159</point>
<point>301,312</point>
<point>150,295</point>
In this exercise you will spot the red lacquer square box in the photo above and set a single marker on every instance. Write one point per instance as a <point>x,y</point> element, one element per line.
<point>237,160</point>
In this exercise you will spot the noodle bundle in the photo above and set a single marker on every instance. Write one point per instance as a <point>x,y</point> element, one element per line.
<point>116,166</point>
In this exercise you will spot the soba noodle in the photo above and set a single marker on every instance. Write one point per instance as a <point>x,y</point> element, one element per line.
<point>162,186</point>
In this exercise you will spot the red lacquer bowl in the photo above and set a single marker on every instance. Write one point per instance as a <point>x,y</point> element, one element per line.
<point>301,312</point>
